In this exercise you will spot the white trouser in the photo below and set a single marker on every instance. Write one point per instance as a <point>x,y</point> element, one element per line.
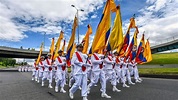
<point>111,75</point>
<point>118,73</point>
<point>33,73</point>
<point>80,80</point>
<point>60,77</point>
<point>40,75</point>
<point>37,74</point>
<point>125,72</point>
<point>96,75</point>
<point>45,75</point>
<point>89,74</point>
<point>50,76</point>
<point>136,75</point>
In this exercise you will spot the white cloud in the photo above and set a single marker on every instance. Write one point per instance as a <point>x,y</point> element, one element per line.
<point>52,13</point>
<point>94,16</point>
<point>9,30</point>
<point>158,20</point>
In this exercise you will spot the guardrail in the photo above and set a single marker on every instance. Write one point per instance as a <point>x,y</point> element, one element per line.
<point>158,42</point>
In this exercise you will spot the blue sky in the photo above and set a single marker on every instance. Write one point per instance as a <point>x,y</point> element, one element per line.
<point>24,22</point>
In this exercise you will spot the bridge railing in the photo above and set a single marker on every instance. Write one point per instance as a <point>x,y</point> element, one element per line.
<point>166,40</point>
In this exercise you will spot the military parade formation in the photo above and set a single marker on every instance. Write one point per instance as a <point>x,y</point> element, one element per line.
<point>112,58</point>
<point>106,68</point>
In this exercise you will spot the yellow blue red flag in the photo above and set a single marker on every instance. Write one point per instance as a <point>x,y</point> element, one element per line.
<point>132,49</point>
<point>85,40</point>
<point>140,57</point>
<point>116,37</point>
<point>71,41</point>
<point>103,29</point>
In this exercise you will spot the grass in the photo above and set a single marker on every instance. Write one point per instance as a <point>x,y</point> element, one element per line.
<point>166,58</point>
<point>159,71</point>
<point>1,67</point>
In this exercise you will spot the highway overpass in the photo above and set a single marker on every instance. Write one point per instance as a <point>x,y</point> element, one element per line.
<point>165,46</point>
<point>9,52</point>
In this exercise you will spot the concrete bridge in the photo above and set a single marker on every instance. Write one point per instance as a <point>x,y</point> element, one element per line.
<point>169,44</point>
<point>9,52</point>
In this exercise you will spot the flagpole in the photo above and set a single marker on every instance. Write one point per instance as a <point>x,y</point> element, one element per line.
<point>78,19</point>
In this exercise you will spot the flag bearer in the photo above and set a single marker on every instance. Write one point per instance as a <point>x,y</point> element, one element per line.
<point>135,72</point>
<point>34,70</point>
<point>80,73</point>
<point>47,74</point>
<point>109,70</point>
<point>117,66</point>
<point>41,68</point>
<point>61,71</point>
<point>98,73</point>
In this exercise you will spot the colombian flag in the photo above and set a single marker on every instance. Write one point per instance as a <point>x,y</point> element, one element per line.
<point>126,38</point>
<point>63,46</point>
<point>133,46</point>
<point>41,49</point>
<point>61,36</point>
<point>116,37</point>
<point>71,42</point>
<point>140,57</point>
<point>147,52</point>
<point>103,29</point>
<point>85,41</point>
<point>51,50</point>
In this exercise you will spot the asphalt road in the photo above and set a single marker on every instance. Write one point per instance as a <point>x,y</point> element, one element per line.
<point>18,86</point>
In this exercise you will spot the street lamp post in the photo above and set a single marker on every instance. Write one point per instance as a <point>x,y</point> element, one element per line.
<point>78,19</point>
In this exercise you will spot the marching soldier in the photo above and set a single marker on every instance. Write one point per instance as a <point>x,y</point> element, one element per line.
<point>34,70</point>
<point>110,73</point>
<point>60,73</point>
<point>135,72</point>
<point>47,71</point>
<point>98,73</point>
<point>80,72</point>
<point>117,66</point>
<point>41,68</point>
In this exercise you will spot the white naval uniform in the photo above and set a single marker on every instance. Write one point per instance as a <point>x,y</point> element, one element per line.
<point>47,74</point>
<point>109,70</point>
<point>60,72</point>
<point>79,75</point>
<point>125,72</point>
<point>117,68</point>
<point>33,71</point>
<point>97,71</point>
<point>89,70</point>
<point>135,71</point>
<point>41,70</point>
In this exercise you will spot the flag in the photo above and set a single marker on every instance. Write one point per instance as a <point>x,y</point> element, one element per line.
<point>39,55</point>
<point>51,50</point>
<point>125,45</point>
<point>63,46</point>
<point>116,37</point>
<point>103,29</point>
<point>123,49</point>
<point>73,50</point>
<point>86,39</point>
<point>140,57</point>
<point>71,41</point>
<point>61,36</point>
<point>133,46</point>
<point>148,51</point>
